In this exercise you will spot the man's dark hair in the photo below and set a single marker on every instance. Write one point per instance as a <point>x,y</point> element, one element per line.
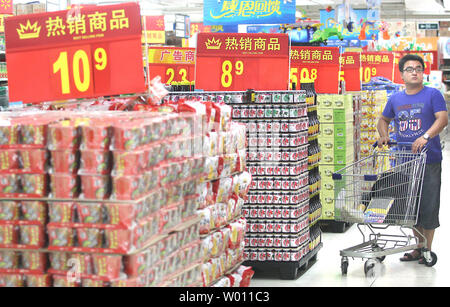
<point>409,57</point>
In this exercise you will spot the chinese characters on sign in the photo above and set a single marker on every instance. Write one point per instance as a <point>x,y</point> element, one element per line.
<point>376,64</point>
<point>350,70</point>
<point>171,55</point>
<point>228,61</point>
<point>80,53</point>
<point>313,56</point>
<point>75,25</point>
<point>172,64</point>
<point>154,31</point>
<point>316,64</point>
<point>248,12</point>
<point>251,44</point>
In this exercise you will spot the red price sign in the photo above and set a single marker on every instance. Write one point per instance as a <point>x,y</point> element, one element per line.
<point>350,69</point>
<point>376,64</point>
<point>237,62</point>
<point>95,51</point>
<point>172,64</point>
<point>316,64</point>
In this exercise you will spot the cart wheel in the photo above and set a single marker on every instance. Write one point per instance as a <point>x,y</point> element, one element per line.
<point>344,265</point>
<point>369,267</point>
<point>381,259</point>
<point>377,248</point>
<point>431,256</point>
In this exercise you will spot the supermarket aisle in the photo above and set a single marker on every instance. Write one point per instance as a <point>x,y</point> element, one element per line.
<point>326,271</point>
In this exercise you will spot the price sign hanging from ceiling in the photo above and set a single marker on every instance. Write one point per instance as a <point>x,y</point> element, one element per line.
<point>237,62</point>
<point>319,65</point>
<point>90,52</point>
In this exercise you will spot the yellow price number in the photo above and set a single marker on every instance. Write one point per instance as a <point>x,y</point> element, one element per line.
<point>170,73</point>
<point>341,76</point>
<point>305,75</point>
<point>81,71</point>
<point>366,74</point>
<point>227,72</point>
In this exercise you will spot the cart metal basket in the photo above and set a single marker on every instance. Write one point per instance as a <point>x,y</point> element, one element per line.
<point>379,192</point>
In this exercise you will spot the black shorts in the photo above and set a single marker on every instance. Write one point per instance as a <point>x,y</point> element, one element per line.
<point>428,217</point>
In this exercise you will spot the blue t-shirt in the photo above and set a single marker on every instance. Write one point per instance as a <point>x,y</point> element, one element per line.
<point>414,114</point>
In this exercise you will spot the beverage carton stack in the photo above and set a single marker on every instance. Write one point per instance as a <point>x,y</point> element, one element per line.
<point>314,157</point>
<point>337,142</point>
<point>114,203</point>
<point>277,208</point>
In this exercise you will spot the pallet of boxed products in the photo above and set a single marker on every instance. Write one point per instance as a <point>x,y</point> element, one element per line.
<point>277,208</point>
<point>224,190</point>
<point>95,222</point>
<point>336,140</point>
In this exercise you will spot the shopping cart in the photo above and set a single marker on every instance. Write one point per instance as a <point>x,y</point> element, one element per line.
<point>381,191</point>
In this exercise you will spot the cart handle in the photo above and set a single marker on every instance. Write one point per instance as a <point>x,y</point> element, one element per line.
<point>394,143</point>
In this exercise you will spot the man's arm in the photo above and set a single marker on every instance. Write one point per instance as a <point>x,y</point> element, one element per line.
<point>383,130</point>
<point>439,124</point>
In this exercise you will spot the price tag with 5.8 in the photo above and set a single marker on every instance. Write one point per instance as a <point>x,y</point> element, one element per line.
<point>303,75</point>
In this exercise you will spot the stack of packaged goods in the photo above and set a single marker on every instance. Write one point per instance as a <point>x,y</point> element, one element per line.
<point>23,174</point>
<point>373,103</point>
<point>277,208</point>
<point>224,189</point>
<point>122,208</point>
<point>336,140</point>
<point>314,157</point>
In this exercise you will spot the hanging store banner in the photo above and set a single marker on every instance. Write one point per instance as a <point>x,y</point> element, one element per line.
<point>234,12</point>
<point>316,64</point>
<point>172,64</point>
<point>57,55</point>
<point>154,30</point>
<point>350,70</point>
<point>237,62</point>
<point>2,22</point>
<point>6,7</point>
<point>376,64</point>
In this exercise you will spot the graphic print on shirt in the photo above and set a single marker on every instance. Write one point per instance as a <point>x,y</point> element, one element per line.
<point>409,120</point>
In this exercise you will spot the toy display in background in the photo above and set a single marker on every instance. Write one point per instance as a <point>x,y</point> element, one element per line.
<point>322,36</point>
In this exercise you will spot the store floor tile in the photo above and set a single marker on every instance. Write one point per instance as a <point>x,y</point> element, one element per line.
<point>326,272</point>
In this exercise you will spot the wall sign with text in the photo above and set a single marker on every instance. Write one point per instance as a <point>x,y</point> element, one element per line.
<point>61,55</point>
<point>316,64</point>
<point>234,12</point>
<point>172,64</point>
<point>237,62</point>
<point>350,70</point>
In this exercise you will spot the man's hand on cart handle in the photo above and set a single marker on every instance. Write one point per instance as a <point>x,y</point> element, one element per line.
<point>419,144</point>
<point>384,140</point>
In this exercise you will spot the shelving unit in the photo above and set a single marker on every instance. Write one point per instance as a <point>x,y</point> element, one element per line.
<point>445,68</point>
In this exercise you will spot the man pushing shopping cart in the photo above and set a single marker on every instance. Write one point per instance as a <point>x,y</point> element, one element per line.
<point>401,187</point>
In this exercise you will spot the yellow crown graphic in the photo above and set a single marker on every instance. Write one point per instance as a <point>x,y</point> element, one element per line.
<point>213,44</point>
<point>29,30</point>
